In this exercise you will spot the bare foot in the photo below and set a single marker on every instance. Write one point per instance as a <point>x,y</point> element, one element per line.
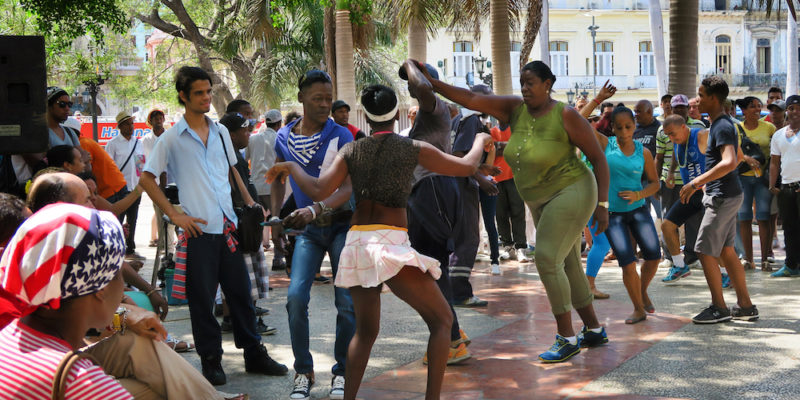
<point>635,318</point>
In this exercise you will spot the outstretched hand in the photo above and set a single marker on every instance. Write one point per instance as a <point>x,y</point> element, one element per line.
<point>606,91</point>
<point>280,171</point>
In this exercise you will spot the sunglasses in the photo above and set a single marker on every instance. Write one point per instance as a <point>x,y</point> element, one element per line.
<point>247,122</point>
<point>64,104</point>
<point>314,75</point>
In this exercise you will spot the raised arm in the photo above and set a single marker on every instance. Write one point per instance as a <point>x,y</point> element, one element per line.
<point>436,161</point>
<point>315,188</point>
<point>606,92</point>
<point>499,107</point>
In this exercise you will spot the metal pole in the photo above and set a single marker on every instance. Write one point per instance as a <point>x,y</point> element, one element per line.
<point>93,92</point>
<point>593,28</point>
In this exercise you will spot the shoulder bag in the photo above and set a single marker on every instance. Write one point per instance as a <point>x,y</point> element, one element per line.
<point>750,149</point>
<point>62,372</point>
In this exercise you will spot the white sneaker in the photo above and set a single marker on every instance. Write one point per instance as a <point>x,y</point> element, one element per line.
<point>696,265</point>
<point>337,387</point>
<point>504,254</point>
<point>302,387</point>
<point>521,257</point>
<point>512,253</point>
<point>495,269</point>
<point>665,264</point>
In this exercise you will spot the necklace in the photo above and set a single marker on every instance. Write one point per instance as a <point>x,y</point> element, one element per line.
<point>381,133</point>
<point>685,156</point>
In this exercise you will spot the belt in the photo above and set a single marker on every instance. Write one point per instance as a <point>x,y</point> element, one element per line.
<point>329,219</point>
<point>791,186</point>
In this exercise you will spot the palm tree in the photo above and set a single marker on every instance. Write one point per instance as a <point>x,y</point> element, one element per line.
<point>683,18</point>
<point>345,73</point>
<point>501,47</point>
<point>419,18</point>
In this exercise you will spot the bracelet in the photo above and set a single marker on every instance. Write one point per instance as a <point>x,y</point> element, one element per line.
<point>313,213</point>
<point>151,292</point>
<point>324,208</point>
<point>595,101</point>
<point>274,218</point>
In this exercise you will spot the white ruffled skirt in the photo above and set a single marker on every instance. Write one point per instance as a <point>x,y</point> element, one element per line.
<point>373,254</point>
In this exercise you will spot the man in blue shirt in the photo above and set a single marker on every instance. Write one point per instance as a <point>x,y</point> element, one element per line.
<point>313,142</point>
<point>197,153</point>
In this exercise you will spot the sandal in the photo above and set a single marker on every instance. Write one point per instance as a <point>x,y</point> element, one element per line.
<point>600,295</point>
<point>180,346</point>
<point>766,266</point>
<point>153,243</point>
<point>649,308</point>
<point>634,320</point>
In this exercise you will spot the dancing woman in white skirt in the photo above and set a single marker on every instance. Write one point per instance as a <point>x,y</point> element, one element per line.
<point>377,249</point>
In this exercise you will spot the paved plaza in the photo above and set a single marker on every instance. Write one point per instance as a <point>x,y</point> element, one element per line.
<point>665,357</point>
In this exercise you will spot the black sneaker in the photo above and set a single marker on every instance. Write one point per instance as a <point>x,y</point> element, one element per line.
<point>744,314</point>
<point>265,329</point>
<point>212,370</point>
<point>217,310</point>
<point>302,386</point>
<point>588,338</point>
<point>712,315</point>
<point>257,360</point>
<point>261,311</point>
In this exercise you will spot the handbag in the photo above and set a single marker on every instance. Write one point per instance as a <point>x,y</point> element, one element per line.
<point>750,149</point>
<point>62,372</point>
<point>249,232</point>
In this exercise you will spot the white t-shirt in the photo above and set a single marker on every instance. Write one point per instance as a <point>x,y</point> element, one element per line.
<point>119,148</point>
<point>261,154</point>
<point>789,151</point>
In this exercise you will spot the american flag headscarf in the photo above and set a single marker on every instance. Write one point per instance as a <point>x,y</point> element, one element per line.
<point>61,252</point>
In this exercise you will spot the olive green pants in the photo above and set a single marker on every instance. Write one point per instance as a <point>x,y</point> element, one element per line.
<point>560,219</point>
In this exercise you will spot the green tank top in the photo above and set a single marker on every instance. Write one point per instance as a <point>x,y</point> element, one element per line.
<point>540,154</point>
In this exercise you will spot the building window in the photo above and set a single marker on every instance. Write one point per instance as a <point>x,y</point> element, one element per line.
<point>604,58</point>
<point>764,55</point>
<point>559,58</point>
<point>462,58</point>
<point>646,59</point>
<point>516,47</point>
<point>720,5</point>
<point>723,64</point>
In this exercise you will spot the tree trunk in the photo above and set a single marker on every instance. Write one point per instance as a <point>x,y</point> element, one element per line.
<point>501,47</point>
<point>329,26</point>
<point>244,78</point>
<point>221,94</point>
<point>346,83</point>
<point>532,23</point>
<point>417,41</point>
<point>544,34</point>
<point>657,37</point>
<point>792,70</point>
<point>683,17</point>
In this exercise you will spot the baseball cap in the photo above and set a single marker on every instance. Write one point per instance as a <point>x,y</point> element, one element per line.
<point>792,100</point>
<point>679,100</point>
<point>122,116</point>
<point>778,103</point>
<point>339,104</point>
<point>273,116</point>
<point>55,91</point>
<point>432,71</point>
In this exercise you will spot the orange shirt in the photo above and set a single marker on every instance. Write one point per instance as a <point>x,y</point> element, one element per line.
<point>109,179</point>
<point>500,161</point>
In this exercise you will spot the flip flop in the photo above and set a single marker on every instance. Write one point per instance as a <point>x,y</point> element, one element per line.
<point>180,346</point>
<point>631,321</point>
<point>649,308</point>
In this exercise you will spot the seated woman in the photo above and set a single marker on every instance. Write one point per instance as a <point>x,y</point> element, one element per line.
<point>63,264</point>
<point>377,248</point>
<point>67,157</point>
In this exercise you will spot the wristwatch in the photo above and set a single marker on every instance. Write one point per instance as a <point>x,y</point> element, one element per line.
<point>603,204</point>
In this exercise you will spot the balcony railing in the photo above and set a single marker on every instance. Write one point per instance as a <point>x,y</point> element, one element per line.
<point>588,81</point>
<point>754,81</point>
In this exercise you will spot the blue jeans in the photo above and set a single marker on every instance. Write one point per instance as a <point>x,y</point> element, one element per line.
<point>597,253</point>
<point>309,250</point>
<point>755,188</point>
<point>637,224</point>
<point>489,210</point>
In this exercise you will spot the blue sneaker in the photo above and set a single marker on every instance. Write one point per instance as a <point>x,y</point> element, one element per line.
<point>676,273</point>
<point>588,338</point>
<point>785,272</point>
<point>726,281</point>
<point>561,351</point>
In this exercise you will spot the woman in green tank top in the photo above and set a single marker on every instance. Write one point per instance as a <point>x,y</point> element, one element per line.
<point>560,191</point>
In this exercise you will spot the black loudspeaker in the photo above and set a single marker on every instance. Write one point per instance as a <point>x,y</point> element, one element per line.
<point>23,101</point>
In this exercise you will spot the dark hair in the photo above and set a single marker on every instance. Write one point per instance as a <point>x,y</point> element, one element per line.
<point>58,155</point>
<point>54,98</point>
<point>86,176</point>
<point>378,100</point>
<point>620,110</point>
<point>236,105</point>
<point>666,97</point>
<point>541,70</point>
<point>274,125</point>
<point>50,188</point>
<point>312,77</point>
<point>291,116</point>
<point>233,121</point>
<point>186,76</point>
<point>746,101</point>
<point>716,87</point>
<point>606,105</point>
<point>774,89</point>
<point>12,214</point>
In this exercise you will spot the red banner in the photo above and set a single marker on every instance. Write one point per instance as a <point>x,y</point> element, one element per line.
<point>107,130</point>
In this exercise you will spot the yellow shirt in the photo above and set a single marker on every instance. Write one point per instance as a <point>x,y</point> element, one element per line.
<point>761,135</point>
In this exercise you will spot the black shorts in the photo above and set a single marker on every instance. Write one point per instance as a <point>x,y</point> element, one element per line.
<point>679,213</point>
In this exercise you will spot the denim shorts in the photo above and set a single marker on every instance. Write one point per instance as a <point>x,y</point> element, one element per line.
<point>755,189</point>
<point>637,224</point>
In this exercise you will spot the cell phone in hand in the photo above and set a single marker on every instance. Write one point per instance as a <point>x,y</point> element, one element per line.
<point>272,222</point>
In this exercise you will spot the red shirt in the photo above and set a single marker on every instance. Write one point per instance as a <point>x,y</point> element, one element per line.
<point>500,161</point>
<point>29,363</point>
